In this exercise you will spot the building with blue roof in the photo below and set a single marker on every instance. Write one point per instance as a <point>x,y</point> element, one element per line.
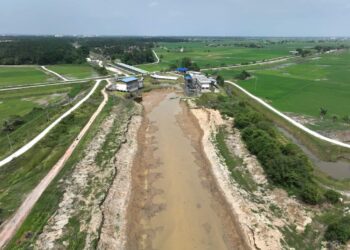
<point>127,84</point>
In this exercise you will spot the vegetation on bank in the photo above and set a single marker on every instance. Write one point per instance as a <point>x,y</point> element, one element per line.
<point>21,175</point>
<point>49,201</point>
<point>285,165</point>
<point>242,177</point>
<point>25,113</point>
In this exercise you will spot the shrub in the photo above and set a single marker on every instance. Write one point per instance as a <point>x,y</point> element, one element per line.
<point>243,75</point>
<point>220,80</point>
<point>311,194</point>
<point>332,196</point>
<point>339,230</point>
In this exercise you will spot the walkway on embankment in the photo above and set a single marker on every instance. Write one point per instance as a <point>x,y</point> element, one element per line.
<point>40,136</point>
<point>10,227</point>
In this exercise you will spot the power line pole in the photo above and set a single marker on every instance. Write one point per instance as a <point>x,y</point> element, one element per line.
<point>8,138</point>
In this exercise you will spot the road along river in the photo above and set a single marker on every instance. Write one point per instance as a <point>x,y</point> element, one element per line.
<point>175,202</point>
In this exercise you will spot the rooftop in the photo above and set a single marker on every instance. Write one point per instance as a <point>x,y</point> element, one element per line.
<point>132,68</point>
<point>129,79</point>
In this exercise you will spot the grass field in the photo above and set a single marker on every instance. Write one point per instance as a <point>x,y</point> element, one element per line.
<point>49,201</point>
<point>303,86</point>
<point>74,71</point>
<point>222,52</point>
<point>21,175</point>
<point>37,107</point>
<point>10,76</point>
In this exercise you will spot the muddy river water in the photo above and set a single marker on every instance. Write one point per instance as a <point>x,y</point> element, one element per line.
<point>338,170</point>
<point>175,202</point>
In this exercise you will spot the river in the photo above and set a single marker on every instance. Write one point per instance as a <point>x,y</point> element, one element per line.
<point>338,170</point>
<point>175,202</point>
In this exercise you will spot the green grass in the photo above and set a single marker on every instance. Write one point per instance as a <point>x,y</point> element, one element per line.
<point>243,178</point>
<point>223,52</point>
<point>48,203</point>
<point>74,71</point>
<point>22,75</point>
<point>38,107</point>
<point>323,150</point>
<point>306,86</point>
<point>310,239</point>
<point>21,175</point>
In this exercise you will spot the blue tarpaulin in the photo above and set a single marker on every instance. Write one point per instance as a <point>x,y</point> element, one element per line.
<point>182,69</point>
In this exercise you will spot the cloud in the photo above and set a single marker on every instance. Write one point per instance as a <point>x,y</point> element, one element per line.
<point>153,4</point>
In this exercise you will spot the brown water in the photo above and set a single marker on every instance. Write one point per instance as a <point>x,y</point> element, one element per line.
<point>175,202</point>
<point>338,170</point>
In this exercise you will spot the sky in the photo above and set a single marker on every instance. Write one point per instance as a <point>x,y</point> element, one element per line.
<point>176,17</point>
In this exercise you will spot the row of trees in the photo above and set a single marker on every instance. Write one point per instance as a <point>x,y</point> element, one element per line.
<point>130,50</point>
<point>41,50</point>
<point>45,50</point>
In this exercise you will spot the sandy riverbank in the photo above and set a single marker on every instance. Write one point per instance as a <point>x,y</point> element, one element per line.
<point>253,210</point>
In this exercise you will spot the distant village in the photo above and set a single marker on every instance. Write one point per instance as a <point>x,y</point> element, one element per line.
<point>194,82</point>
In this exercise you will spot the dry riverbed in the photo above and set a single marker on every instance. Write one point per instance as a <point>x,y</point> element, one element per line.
<point>175,202</point>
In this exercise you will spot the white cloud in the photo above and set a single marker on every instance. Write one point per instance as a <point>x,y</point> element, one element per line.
<point>153,4</point>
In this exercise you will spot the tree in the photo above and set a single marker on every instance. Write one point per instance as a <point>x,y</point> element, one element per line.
<point>243,75</point>
<point>220,80</point>
<point>346,119</point>
<point>323,112</point>
<point>186,62</point>
<point>339,230</point>
<point>311,194</point>
<point>335,118</point>
<point>332,196</point>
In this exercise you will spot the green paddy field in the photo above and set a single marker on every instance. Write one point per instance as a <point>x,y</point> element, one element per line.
<point>302,86</point>
<point>208,53</point>
<point>74,71</point>
<point>21,75</point>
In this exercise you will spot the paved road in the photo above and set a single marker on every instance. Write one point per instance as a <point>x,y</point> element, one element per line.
<point>156,56</point>
<point>37,85</point>
<point>34,141</point>
<point>55,73</point>
<point>290,120</point>
<point>274,60</point>
<point>8,230</point>
<point>114,69</point>
<point>156,62</point>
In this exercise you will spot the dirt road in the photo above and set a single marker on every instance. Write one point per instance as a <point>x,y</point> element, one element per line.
<point>270,61</point>
<point>42,134</point>
<point>9,228</point>
<point>175,202</point>
<point>54,73</point>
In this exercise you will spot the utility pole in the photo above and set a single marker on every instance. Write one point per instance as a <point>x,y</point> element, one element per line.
<point>47,114</point>
<point>8,138</point>
<point>256,81</point>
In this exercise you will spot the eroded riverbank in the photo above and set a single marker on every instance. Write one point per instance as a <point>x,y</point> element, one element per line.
<point>175,202</point>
